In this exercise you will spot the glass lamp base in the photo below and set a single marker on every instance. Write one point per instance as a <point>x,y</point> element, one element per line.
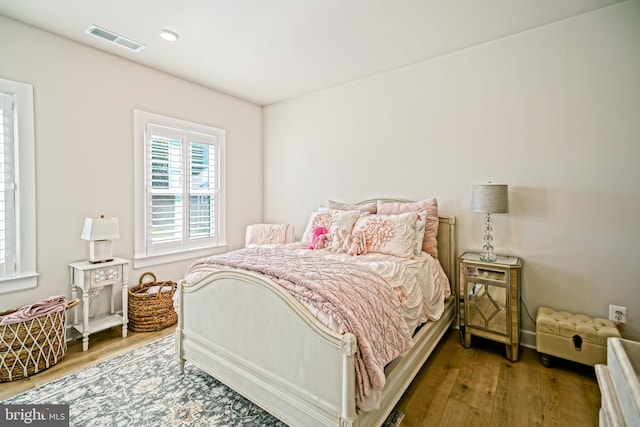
<point>488,257</point>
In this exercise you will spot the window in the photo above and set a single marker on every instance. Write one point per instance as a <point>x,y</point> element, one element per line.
<point>17,188</point>
<point>179,189</point>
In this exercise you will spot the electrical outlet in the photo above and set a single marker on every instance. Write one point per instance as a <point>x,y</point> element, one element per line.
<point>618,314</point>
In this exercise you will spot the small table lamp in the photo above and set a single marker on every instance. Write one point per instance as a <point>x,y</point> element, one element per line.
<point>489,198</point>
<point>100,232</point>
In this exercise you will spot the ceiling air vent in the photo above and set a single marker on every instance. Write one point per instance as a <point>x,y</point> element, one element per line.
<point>114,38</point>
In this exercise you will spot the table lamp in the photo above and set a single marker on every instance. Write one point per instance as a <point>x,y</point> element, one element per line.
<point>100,232</point>
<point>489,198</point>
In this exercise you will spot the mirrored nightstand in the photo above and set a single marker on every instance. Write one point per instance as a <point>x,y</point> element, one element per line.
<point>491,295</point>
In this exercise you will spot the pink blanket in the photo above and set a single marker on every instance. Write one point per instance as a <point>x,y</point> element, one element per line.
<point>29,312</point>
<point>361,301</point>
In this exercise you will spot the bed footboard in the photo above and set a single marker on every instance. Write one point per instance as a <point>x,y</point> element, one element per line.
<point>252,335</point>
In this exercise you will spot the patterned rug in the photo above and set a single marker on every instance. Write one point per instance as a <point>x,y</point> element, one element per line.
<point>144,388</point>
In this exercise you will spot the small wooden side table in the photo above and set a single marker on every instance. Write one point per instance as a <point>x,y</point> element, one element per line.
<point>491,294</point>
<point>91,279</point>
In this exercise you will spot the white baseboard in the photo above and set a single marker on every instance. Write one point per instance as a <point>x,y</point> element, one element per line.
<point>528,339</point>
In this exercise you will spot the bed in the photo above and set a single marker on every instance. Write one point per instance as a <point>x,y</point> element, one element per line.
<point>250,333</point>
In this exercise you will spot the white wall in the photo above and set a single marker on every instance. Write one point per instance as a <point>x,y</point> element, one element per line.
<point>554,112</point>
<point>84,102</point>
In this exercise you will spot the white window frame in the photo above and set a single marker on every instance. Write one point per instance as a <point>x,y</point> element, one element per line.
<point>25,276</point>
<point>144,256</point>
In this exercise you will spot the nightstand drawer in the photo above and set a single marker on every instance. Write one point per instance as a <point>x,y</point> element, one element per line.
<point>105,275</point>
<point>490,274</point>
<point>91,276</point>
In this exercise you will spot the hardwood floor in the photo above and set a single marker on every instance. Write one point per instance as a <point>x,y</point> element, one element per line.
<point>478,386</point>
<point>456,387</point>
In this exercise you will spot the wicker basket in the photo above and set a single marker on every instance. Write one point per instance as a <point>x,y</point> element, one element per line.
<point>29,347</point>
<point>151,311</point>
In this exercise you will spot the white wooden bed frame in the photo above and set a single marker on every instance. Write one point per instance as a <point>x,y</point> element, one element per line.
<point>252,335</point>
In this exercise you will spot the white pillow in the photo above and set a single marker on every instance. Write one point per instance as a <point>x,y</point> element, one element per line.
<point>389,234</point>
<point>430,242</point>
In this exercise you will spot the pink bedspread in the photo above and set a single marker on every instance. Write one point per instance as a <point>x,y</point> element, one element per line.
<point>361,301</point>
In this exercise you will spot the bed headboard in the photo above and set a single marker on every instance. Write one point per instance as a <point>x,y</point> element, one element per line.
<point>446,241</point>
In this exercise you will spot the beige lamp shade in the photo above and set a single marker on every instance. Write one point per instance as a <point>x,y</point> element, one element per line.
<point>100,229</point>
<point>100,232</point>
<point>490,198</point>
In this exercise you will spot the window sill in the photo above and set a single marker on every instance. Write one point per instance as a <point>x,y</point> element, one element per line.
<point>19,283</point>
<point>151,260</point>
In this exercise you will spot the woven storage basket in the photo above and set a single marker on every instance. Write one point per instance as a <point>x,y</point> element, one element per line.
<point>29,347</point>
<point>151,311</point>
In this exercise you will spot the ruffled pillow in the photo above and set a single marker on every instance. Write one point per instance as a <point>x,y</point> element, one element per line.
<point>388,234</point>
<point>430,242</point>
<point>362,207</point>
<point>330,218</point>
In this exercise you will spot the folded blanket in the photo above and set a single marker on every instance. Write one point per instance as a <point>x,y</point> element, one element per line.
<point>29,312</point>
<point>263,234</point>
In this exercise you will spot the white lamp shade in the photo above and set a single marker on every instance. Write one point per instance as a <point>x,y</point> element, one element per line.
<point>100,229</point>
<point>490,198</point>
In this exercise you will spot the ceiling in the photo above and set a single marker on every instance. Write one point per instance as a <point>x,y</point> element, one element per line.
<point>266,51</point>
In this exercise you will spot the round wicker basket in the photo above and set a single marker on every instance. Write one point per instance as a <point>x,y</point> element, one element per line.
<point>34,345</point>
<point>151,311</point>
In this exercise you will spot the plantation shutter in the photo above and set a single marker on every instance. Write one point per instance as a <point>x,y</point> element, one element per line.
<point>182,189</point>
<point>203,187</point>
<point>7,187</point>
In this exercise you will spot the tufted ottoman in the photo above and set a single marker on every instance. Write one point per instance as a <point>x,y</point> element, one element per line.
<point>573,337</point>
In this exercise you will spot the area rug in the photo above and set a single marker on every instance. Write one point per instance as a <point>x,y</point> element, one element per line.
<point>144,388</point>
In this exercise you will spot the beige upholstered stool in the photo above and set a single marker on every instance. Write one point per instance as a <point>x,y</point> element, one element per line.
<point>575,337</point>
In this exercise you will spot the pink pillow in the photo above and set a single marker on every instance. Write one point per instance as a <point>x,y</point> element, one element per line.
<point>430,242</point>
<point>363,207</point>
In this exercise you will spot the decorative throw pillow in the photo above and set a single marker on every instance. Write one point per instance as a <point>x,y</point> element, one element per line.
<point>430,242</point>
<point>388,234</point>
<point>339,239</point>
<point>329,218</point>
<point>363,207</point>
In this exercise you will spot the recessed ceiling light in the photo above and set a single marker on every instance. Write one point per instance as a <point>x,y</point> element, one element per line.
<point>169,35</point>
